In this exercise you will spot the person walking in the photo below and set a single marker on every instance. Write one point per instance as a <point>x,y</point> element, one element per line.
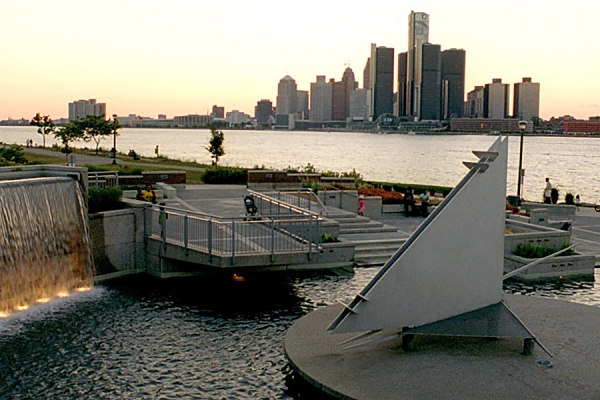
<point>548,192</point>
<point>361,205</point>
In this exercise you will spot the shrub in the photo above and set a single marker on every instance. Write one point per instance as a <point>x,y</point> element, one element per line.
<point>534,251</point>
<point>12,155</point>
<point>225,175</point>
<point>569,199</point>
<point>104,199</point>
<point>329,238</point>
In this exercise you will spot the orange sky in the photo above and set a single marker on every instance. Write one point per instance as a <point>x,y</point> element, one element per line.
<point>179,57</point>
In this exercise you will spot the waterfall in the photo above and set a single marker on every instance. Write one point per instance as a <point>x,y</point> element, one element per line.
<point>44,241</point>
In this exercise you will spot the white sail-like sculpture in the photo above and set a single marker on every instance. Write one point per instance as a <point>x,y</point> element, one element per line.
<point>447,277</point>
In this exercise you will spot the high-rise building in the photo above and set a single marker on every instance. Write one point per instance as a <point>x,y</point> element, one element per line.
<point>217,112</point>
<point>360,105</point>
<point>287,100</point>
<point>453,83</point>
<point>80,109</point>
<point>495,99</point>
<point>263,112</point>
<point>340,109</point>
<point>474,105</point>
<point>402,109</point>
<point>321,99</point>
<point>367,74</point>
<point>302,112</point>
<point>431,80</point>
<point>381,80</point>
<point>526,105</point>
<point>418,34</point>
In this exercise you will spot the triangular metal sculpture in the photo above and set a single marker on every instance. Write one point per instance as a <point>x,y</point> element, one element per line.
<point>447,278</point>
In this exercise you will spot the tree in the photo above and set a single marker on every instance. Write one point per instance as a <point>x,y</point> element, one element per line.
<point>69,133</point>
<point>45,125</point>
<point>215,147</point>
<point>94,128</point>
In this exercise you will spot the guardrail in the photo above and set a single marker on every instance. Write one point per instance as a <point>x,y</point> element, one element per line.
<point>103,179</point>
<point>267,234</point>
<point>289,202</point>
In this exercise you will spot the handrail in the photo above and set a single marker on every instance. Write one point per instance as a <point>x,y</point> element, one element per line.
<point>268,196</point>
<point>93,178</point>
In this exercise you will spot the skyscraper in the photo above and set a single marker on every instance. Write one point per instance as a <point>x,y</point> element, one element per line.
<point>340,109</point>
<point>431,101</point>
<point>263,112</point>
<point>526,105</point>
<point>474,107</point>
<point>321,98</point>
<point>82,108</point>
<point>495,99</point>
<point>402,109</point>
<point>453,83</point>
<point>418,34</point>
<point>287,99</point>
<point>381,80</point>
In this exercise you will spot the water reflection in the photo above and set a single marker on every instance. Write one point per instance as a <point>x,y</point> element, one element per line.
<point>142,337</point>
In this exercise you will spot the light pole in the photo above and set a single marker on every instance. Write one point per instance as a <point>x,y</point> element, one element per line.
<point>522,127</point>
<point>114,129</point>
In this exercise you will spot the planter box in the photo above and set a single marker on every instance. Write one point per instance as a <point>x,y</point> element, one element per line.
<point>567,266</point>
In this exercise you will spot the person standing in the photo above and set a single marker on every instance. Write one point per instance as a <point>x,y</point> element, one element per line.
<point>409,202</point>
<point>548,192</point>
<point>577,202</point>
<point>424,202</point>
<point>361,205</point>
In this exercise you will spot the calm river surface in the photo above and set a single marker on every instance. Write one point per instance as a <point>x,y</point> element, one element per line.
<point>143,338</point>
<point>570,162</point>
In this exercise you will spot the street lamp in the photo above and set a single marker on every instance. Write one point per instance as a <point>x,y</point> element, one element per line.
<point>114,129</point>
<point>522,127</point>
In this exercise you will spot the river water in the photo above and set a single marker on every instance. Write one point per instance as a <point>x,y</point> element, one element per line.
<point>139,337</point>
<point>570,162</point>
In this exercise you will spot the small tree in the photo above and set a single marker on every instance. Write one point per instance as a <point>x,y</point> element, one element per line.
<point>94,128</point>
<point>45,125</point>
<point>215,147</point>
<point>69,133</point>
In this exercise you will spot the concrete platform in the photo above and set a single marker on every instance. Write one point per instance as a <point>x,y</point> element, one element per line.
<point>457,368</point>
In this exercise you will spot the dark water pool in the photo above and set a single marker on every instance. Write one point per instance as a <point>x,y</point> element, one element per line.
<point>141,337</point>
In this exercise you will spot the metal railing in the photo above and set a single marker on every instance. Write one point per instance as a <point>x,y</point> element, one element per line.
<point>288,201</point>
<point>103,179</point>
<point>267,234</point>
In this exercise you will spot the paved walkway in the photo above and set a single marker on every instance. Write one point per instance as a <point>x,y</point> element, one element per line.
<point>457,368</point>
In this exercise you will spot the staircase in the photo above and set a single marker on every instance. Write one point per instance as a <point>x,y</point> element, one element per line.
<point>374,241</point>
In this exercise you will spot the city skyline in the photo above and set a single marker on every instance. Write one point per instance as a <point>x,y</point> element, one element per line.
<point>182,57</point>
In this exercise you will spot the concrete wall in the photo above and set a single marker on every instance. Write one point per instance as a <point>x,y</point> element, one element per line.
<point>117,239</point>
<point>37,171</point>
<point>556,267</point>
<point>561,210</point>
<point>533,234</point>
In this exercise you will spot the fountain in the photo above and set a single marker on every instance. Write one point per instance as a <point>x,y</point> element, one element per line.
<point>44,242</point>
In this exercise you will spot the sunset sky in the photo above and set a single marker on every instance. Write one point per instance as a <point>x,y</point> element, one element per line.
<point>179,57</point>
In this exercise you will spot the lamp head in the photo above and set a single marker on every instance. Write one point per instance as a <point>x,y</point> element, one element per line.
<point>522,125</point>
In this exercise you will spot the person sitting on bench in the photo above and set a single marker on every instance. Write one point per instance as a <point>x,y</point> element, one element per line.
<point>409,202</point>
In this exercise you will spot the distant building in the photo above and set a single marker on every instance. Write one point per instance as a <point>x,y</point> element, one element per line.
<point>360,105</point>
<point>526,104</point>
<point>287,96</point>
<point>218,112</point>
<point>340,109</point>
<point>381,80</point>
<point>453,83</point>
<point>581,127</point>
<point>82,108</point>
<point>263,112</point>
<point>431,82</point>
<point>367,74</point>
<point>418,34</point>
<point>495,99</point>
<point>321,99</point>
<point>236,117</point>
<point>302,112</point>
<point>484,125</point>
<point>474,105</point>
<point>192,121</point>
<point>402,108</point>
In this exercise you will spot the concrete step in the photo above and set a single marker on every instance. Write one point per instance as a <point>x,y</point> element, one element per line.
<point>359,230</point>
<point>383,249</point>
<point>370,261</point>
<point>362,224</point>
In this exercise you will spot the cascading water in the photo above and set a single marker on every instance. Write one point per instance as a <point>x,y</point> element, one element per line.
<point>44,241</point>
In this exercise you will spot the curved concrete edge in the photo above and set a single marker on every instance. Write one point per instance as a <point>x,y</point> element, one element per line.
<point>450,367</point>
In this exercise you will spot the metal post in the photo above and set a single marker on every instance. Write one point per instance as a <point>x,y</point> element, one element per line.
<point>310,237</point>
<point>163,226</point>
<point>185,234</point>
<point>209,239</point>
<point>520,166</point>
<point>232,242</point>
<point>272,239</point>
